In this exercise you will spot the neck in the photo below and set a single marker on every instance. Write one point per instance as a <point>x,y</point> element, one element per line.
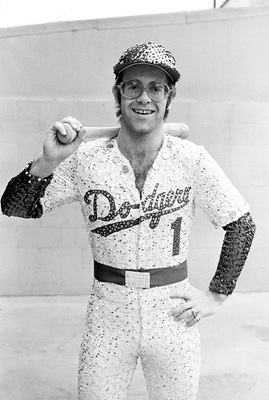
<point>141,149</point>
<point>135,144</point>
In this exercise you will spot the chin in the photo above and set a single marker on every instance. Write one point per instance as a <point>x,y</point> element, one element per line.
<point>143,130</point>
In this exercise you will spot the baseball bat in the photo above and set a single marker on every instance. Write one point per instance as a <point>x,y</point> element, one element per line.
<point>92,133</point>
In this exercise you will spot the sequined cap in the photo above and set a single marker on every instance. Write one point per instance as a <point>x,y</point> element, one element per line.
<point>148,53</point>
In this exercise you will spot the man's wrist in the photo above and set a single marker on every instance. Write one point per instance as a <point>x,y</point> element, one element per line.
<point>42,168</point>
<point>218,297</point>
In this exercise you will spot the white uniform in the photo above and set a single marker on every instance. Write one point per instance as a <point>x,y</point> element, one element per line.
<point>126,231</point>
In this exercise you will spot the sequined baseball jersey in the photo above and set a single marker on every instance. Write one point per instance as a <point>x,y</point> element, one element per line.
<point>153,230</point>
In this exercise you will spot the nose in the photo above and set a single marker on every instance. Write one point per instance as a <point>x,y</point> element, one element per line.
<point>144,97</point>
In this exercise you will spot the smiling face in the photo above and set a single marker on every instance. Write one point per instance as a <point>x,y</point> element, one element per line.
<point>143,115</point>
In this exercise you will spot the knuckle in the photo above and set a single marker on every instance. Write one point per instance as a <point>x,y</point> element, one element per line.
<point>67,119</point>
<point>66,125</point>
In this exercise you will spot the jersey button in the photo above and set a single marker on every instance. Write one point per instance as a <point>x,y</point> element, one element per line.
<point>116,159</point>
<point>165,156</point>
<point>125,169</point>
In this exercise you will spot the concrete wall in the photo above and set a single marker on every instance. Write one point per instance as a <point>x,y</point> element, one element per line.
<point>54,70</point>
<point>245,3</point>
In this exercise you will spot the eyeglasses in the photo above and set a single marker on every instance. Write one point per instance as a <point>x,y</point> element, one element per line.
<point>156,91</point>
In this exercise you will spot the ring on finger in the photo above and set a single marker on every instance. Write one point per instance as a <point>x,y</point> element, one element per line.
<point>195,316</point>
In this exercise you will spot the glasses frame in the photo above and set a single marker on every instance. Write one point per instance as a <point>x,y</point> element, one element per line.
<point>144,89</point>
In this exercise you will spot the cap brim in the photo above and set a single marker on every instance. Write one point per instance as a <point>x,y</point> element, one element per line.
<point>174,77</point>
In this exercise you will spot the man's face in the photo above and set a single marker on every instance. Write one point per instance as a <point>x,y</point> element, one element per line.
<point>143,115</point>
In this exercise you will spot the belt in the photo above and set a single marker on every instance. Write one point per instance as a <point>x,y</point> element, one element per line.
<point>141,279</point>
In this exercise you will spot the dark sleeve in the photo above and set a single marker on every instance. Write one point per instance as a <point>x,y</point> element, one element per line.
<point>236,245</point>
<point>22,195</point>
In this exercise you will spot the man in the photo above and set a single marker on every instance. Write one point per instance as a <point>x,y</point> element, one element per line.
<point>138,192</point>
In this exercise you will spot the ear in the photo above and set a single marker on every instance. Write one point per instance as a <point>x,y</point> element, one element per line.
<point>116,94</point>
<point>173,93</point>
<point>171,98</point>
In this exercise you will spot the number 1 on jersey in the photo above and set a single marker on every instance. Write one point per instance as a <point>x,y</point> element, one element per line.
<point>176,226</point>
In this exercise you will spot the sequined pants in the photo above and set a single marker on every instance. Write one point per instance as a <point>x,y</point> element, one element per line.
<point>123,324</point>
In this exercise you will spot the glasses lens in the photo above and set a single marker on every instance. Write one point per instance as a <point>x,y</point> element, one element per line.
<point>131,89</point>
<point>158,91</point>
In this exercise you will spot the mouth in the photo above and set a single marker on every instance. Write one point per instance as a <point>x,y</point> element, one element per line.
<point>142,112</point>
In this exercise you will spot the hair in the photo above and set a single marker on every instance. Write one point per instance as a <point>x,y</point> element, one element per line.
<point>117,94</point>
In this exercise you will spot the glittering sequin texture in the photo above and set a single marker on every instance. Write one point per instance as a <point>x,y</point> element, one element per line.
<point>126,231</point>
<point>148,53</point>
<point>235,249</point>
<point>130,231</point>
<point>123,324</point>
<point>22,195</point>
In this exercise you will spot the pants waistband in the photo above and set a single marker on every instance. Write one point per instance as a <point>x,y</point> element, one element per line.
<point>141,279</point>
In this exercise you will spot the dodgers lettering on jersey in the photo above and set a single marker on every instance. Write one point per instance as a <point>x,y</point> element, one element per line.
<point>154,207</point>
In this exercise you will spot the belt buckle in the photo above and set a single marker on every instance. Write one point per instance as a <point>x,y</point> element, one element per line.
<point>137,280</point>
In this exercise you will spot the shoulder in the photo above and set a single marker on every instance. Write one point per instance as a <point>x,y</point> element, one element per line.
<point>186,148</point>
<point>93,147</point>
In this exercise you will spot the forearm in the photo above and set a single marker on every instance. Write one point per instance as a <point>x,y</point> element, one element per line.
<point>236,245</point>
<point>23,193</point>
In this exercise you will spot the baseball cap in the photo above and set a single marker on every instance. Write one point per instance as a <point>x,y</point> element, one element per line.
<point>148,53</point>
